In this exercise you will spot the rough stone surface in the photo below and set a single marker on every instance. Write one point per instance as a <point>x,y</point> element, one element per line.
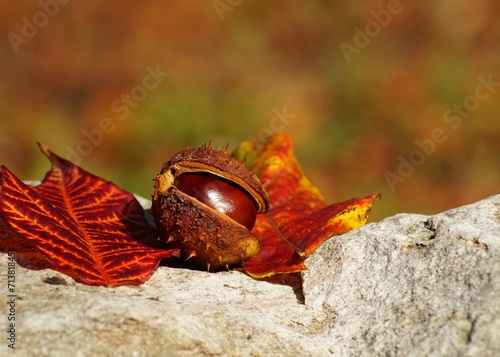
<point>410,285</point>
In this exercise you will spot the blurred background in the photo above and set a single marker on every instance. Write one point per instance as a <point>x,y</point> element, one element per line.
<point>119,87</point>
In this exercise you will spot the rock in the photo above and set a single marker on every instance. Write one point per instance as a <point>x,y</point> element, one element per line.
<point>410,285</point>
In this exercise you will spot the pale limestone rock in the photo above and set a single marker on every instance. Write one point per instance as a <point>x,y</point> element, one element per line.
<point>412,285</point>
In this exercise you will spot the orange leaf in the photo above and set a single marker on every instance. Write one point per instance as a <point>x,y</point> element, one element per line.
<point>78,224</point>
<point>299,219</point>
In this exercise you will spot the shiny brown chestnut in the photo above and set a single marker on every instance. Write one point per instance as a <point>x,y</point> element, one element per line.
<point>205,203</point>
<point>220,194</point>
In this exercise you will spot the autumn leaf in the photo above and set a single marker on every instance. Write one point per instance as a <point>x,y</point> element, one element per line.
<point>299,219</point>
<point>95,232</point>
<point>77,224</point>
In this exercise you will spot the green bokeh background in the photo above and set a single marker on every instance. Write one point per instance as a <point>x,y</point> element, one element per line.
<point>354,118</point>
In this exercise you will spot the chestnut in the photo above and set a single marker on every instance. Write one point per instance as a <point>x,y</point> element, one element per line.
<point>205,203</point>
<point>219,194</point>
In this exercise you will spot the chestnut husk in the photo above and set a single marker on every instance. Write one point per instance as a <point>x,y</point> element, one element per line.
<point>204,235</point>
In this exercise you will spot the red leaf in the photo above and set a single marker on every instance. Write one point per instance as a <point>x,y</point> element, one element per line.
<point>90,229</point>
<point>78,224</point>
<point>299,219</point>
